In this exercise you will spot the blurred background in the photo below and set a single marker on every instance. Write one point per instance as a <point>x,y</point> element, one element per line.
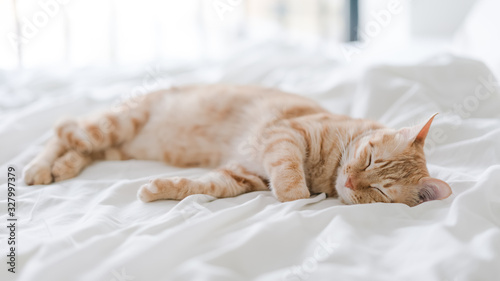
<point>77,33</point>
<point>100,50</point>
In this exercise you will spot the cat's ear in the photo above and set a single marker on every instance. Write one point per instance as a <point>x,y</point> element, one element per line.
<point>418,133</point>
<point>433,189</point>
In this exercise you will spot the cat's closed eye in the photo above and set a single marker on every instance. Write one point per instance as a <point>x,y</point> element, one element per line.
<point>369,162</point>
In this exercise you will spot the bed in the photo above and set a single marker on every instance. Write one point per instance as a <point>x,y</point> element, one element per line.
<point>93,227</point>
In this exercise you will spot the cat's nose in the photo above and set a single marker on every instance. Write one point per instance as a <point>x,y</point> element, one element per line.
<point>348,183</point>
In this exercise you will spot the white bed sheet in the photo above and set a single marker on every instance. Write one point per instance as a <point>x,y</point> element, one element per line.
<point>93,228</point>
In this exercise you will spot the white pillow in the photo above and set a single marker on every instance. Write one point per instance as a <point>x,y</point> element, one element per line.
<point>479,36</point>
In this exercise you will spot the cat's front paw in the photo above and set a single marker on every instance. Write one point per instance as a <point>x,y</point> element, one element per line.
<point>148,192</point>
<point>164,189</point>
<point>38,173</point>
<point>291,194</point>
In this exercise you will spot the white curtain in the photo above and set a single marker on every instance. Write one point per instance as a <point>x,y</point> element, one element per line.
<point>76,33</point>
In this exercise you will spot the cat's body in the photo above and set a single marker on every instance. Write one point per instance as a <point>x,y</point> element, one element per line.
<point>255,138</point>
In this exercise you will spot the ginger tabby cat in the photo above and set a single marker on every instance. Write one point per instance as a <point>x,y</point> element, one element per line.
<point>255,139</point>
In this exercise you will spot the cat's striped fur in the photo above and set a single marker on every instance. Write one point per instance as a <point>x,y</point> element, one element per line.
<point>255,139</point>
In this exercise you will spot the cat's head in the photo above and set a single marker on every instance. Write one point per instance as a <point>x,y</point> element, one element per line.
<point>389,166</point>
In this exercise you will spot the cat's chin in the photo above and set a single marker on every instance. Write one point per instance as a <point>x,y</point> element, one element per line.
<point>342,191</point>
<point>344,202</point>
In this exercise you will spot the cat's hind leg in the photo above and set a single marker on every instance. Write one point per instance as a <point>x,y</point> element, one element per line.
<point>73,162</point>
<point>57,163</point>
<point>69,165</point>
<point>229,181</point>
<point>78,142</point>
<point>38,171</point>
<point>101,131</point>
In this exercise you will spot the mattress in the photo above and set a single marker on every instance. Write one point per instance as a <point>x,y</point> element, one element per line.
<point>93,227</point>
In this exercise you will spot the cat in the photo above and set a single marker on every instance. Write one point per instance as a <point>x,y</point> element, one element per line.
<point>255,139</point>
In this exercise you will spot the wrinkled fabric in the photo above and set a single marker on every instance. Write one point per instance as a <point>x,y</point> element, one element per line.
<point>93,227</point>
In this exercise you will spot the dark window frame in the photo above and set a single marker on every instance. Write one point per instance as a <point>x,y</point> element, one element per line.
<point>353,20</point>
